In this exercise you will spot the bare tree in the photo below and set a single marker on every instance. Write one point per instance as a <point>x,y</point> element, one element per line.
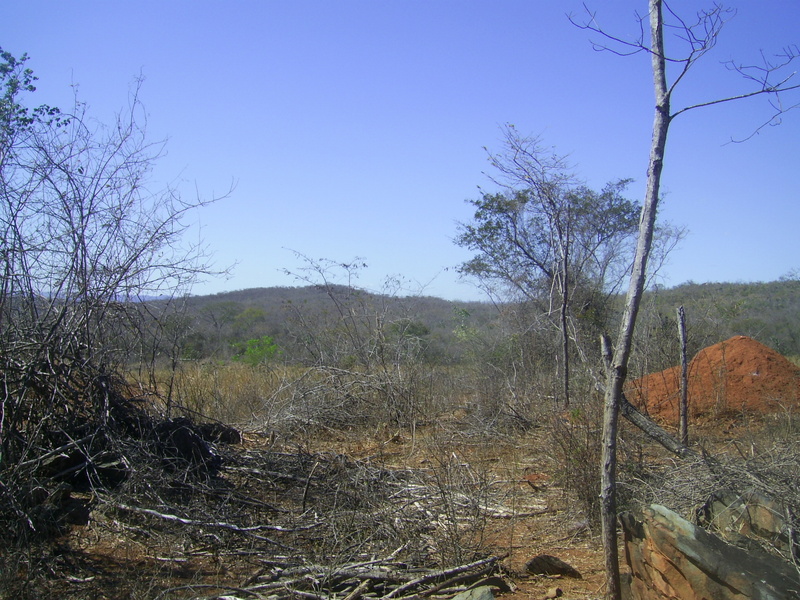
<point>84,239</point>
<point>367,346</point>
<point>695,40</point>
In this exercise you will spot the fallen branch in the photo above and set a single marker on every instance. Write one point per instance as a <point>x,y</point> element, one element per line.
<point>363,580</point>
<point>359,590</point>
<point>208,586</point>
<point>439,574</point>
<point>630,412</point>
<point>480,575</point>
<point>249,531</point>
<point>69,445</point>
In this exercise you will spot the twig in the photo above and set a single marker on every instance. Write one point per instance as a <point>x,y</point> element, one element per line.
<point>307,595</point>
<point>359,590</point>
<point>378,561</point>
<point>46,455</point>
<point>453,580</point>
<point>308,483</point>
<point>195,586</point>
<point>220,525</point>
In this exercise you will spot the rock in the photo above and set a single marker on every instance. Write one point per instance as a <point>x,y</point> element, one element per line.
<point>483,592</point>
<point>500,583</point>
<point>110,469</point>
<point>544,564</point>
<point>85,468</point>
<point>672,559</point>
<point>751,514</point>
<point>219,433</point>
<point>177,438</point>
<point>76,512</point>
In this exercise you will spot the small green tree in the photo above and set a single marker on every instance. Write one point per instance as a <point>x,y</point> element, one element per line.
<point>257,351</point>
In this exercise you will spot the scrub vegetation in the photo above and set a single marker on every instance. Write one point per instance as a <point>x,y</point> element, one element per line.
<point>324,440</point>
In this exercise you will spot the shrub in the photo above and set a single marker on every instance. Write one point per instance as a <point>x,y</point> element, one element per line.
<point>256,351</point>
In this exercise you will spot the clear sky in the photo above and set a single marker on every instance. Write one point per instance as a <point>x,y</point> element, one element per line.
<point>356,128</point>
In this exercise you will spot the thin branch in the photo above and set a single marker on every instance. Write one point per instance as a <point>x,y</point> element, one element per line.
<point>591,25</point>
<point>250,531</point>
<point>700,38</point>
<point>740,97</point>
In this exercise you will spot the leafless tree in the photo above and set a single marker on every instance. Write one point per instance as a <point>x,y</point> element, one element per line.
<point>693,40</point>
<point>85,238</point>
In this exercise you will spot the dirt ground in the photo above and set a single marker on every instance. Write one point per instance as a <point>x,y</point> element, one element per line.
<point>265,488</point>
<point>547,521</point>
<point>123,554</point>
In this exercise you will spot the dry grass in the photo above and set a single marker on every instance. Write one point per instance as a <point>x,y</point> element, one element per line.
<point>235,393</point>
<point>449,485</point>
<point>288,399</point>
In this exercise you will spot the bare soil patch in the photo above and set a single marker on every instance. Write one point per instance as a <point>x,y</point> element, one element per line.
<point>285,518</point>
<point>734,376</point>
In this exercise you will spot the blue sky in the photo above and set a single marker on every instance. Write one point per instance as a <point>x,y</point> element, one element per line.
<point>356,128</point>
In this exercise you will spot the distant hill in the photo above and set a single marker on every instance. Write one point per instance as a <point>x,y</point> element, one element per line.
<point>767,312</point>
<point>219,320</point>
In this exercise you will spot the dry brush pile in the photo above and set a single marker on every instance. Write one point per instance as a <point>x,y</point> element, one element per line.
<point>187,517</point>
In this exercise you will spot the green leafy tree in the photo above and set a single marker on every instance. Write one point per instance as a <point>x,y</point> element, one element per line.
<point>248,321</point>
<point>257,351</point>
<point>549,239</point>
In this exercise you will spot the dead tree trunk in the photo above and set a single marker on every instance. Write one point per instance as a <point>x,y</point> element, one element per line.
<point>564,309</point>
<point>683,427</point>
<point>617,369</point>
<point>701,37</point>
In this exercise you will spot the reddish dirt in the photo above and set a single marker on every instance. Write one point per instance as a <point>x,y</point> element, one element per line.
<point>734,376</point>
<point>112,557</point>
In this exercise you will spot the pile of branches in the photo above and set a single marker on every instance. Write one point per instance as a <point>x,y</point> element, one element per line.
<point>325,506</point>
<point>80,429</point>
<point>767,466</point>
<point>377,579</point>
<point>269,522</point>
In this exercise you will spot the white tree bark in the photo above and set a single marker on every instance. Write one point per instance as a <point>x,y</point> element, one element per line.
<point>617,367</point>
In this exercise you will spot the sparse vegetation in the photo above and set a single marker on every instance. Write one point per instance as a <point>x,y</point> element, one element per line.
<point>477,420</point>
<point>324,441</point>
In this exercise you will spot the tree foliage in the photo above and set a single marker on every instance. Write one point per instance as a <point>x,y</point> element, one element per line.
<point>523,244</point>
<point>549,239</point>
<point>257,351</point>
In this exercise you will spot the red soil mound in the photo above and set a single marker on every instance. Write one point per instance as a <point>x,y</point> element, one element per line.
<point>734,375</point>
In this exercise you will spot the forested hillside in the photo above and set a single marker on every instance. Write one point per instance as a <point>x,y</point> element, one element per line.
<point>293,316</point>
<point>213,325</point>
<point>768,312</point>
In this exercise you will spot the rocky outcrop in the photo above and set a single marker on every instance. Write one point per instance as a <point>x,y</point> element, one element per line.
<point>672,559</point>
<point>743,519</point>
